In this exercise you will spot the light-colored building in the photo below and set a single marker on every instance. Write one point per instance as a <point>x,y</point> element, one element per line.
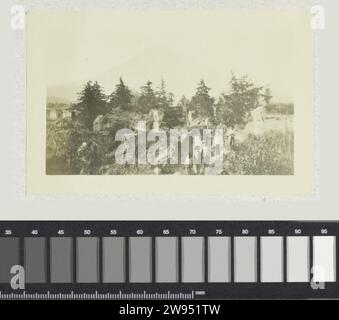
<point>58,111</point>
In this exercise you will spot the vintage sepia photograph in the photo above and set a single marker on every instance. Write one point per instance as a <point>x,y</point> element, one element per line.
<point>222,89</point>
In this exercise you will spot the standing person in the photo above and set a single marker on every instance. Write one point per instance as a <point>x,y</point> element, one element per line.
<point>88,156</point>
<point>231,133</point>
<point>83,157</point>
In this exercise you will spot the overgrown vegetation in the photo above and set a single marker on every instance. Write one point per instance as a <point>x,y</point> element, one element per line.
<point>268,154</point>
<point>85,143</point>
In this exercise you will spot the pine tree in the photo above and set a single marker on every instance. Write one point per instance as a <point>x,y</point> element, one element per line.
<point>148,99</point>
<point>91,102</point>
<point>202,101</point>
<point>121,97</point>
<point>242,99</point>
<point>165,99</point>
<point>184,104</point>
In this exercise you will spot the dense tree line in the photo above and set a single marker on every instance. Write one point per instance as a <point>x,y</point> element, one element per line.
<point>230,108</point>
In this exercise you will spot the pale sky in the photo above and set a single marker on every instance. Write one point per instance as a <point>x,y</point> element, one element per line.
<point>185,45</point>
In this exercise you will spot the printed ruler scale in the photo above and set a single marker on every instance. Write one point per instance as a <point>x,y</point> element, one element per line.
<point>99,296</point>
<point>169,259</point>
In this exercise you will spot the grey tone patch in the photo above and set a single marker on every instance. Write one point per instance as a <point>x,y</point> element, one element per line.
<point>298,259</point>
<point>166,251</point>
<point>140,259</point>
<point>9,256</point>
<point>219,259</point>
<point>245,259</point>
<point>272,259</point>
<point>193,255</point>
<point>87,260</point>
<point>324,257</point>
<point>113,263</point>
<point>61,260</point>
<point>35,258</point>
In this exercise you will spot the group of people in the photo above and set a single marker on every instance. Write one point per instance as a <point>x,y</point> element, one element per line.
<point>87,153</point>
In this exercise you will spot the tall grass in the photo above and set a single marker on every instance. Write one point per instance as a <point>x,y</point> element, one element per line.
<point>269,154</point>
